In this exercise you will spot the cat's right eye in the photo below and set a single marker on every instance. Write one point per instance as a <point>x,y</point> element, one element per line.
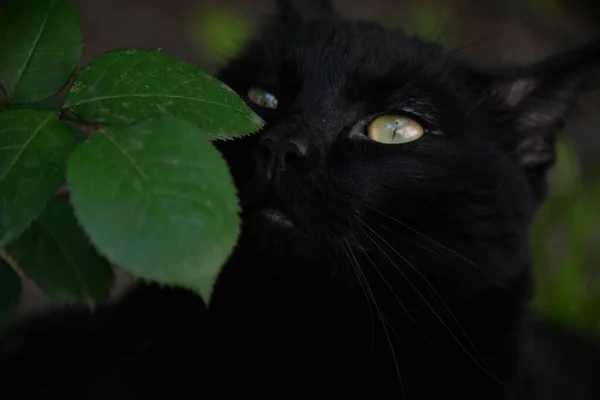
<point>394,129</point>
<point>262,98</point>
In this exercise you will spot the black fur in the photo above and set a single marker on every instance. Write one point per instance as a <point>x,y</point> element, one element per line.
<point>406,271</point>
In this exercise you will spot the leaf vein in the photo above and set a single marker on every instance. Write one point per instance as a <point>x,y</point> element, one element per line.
<point>147,181</point>
<point>126,155</point>
<point>30,55</point>
<point>20,153</point>
<point>143,95</point>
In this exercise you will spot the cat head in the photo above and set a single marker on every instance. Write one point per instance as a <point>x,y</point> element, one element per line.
<point>382,144</point>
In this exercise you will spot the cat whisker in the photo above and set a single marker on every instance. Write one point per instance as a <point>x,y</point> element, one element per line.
<point>420,274</point>
<point>384,321</point>
<point>403,224</point>
<point>479,363</point>
<point>473,354</point>
<point>372,316</point>
<point>440,245</point>
<point>421,245</point>
<point>498,283</point>
<point>407,279</point>
<point>406,311</point>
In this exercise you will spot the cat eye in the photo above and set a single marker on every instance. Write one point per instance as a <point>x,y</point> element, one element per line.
<point>394,129</point>
<point>262,98</point>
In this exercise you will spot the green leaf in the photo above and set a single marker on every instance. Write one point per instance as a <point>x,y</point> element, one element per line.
<point>157,199</point>
<point>34,148</point>
<point>127,86</point>
<point>58,256</point>
<point>40,44</point>
<point>10,290</point>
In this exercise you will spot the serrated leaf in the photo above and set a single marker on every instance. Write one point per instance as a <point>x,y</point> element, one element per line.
<point>10,291</point>
<point>34,148</point>
<point>157,199</point>
<point>56,254</point>
<point>40,45</point>
<point>128,86</point>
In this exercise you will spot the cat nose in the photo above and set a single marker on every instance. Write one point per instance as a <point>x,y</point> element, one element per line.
<point>278,155</point>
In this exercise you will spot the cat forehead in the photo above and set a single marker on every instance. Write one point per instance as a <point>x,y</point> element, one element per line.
<point>350,67</point>
<point>344,44</point>
<point>348,56</point>
<point>336,63</point>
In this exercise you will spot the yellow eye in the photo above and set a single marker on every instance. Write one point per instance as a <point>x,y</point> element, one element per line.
<point>394,129</point>
<point>262,98</point>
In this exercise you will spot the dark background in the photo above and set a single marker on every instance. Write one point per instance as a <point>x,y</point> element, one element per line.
<point>206,33</point>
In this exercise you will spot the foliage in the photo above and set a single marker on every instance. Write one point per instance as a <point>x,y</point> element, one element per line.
<point>132,142</point>
<point>565,246</point>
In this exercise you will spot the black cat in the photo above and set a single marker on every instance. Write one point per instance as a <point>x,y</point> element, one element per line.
<point>385,243</point>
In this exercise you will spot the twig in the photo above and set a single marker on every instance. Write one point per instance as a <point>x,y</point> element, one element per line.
<point>88,127</point>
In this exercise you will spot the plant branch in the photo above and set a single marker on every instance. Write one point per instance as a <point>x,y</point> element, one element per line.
<point>88,127</point>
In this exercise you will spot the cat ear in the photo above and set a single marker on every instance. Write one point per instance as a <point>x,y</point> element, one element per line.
<point>535,102</point>
<point>305,10</point>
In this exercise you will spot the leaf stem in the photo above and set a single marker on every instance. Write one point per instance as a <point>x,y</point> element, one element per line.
<point>11,263</point>
<point>89,127</point>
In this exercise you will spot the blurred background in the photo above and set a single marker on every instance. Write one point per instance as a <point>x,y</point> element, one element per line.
<point>566,243</point>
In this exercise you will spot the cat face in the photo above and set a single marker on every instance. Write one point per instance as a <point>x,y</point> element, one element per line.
<point>384,145</point>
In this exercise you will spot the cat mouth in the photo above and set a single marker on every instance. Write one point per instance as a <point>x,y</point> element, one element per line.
<point>260,202</point>
<point>277,217</point>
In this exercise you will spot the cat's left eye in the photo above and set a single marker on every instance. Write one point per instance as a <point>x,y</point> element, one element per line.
<point>394,129</point>
<point>262,98</point>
